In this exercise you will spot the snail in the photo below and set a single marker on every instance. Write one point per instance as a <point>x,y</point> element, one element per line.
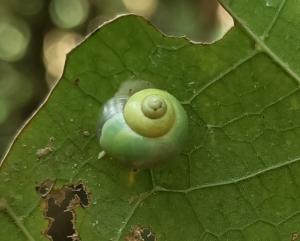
<point>141,125</point>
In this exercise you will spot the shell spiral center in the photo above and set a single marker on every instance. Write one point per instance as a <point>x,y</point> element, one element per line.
<point>154,106</point>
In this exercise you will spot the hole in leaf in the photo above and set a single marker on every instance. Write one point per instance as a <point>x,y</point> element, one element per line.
<point>141,234</point>
<point>295,237</point>
<point>59,208</point>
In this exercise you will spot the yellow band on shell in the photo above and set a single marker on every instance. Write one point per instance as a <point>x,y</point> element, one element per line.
<point>153,124</point>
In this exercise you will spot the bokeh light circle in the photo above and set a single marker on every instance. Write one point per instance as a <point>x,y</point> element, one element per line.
<point>57,44</point>
<point>14,41</point>
<point>69,13</point>
<point>141,7</point>
<point>15,90</point>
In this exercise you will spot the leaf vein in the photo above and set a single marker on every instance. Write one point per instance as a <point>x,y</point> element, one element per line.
<point>274,20</point>
<point>229,182</point>
<point>264,47</point>
<point>131,213</point>
<point>220,76</point>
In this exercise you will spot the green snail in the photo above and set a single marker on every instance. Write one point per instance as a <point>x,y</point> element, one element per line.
<point>141,125</point>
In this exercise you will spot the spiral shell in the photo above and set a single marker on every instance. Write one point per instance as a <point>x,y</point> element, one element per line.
<point>143,127</point>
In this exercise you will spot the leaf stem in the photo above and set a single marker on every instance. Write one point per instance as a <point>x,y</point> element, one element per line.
<point>4,205</point>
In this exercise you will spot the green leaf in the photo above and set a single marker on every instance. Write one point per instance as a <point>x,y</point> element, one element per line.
<point>238,177</point>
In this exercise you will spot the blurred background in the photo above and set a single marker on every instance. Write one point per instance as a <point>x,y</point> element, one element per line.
<point>35,36</point>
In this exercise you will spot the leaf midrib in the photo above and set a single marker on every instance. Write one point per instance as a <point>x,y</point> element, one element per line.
<point>260,42</point>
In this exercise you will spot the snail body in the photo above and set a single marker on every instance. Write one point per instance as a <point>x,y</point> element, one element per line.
<point>144,128</point>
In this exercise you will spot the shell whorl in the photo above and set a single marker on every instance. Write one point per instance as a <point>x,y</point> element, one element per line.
<point>110,108</point>
<point>116,104</point>
<point>142,126</point>
<point>154,106</point>
<point>150,112</point>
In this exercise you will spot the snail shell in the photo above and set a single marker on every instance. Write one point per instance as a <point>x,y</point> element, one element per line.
<point>141,126</point>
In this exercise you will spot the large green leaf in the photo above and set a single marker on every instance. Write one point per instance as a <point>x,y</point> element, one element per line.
<point>238,177</point>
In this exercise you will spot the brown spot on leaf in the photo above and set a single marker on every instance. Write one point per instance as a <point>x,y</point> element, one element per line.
<point>45,188</point>
<point>295,237</point>
<point>86,133</point>
<point>76,82</point>
<point>141,234</point>
<point>59,208</point>
<point>45,151</point>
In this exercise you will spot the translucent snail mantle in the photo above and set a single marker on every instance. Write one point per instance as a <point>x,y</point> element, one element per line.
<point>142,126</point>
